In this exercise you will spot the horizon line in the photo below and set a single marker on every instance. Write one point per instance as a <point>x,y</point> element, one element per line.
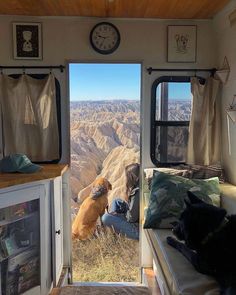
<point>124,99</point>
<point>94,100</point>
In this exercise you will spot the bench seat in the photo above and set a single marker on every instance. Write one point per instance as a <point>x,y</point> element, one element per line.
<point>180,276</point>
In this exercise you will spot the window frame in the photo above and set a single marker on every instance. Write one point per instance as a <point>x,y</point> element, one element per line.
<point>155,123</point>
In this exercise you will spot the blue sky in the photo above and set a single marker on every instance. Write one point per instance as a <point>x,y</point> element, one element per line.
<point>180,91</point>
<point>113,81</point>
<point>105,81</point>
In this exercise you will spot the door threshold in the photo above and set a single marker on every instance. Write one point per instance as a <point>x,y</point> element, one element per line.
<point>131,288</point>
<point>97,284</point>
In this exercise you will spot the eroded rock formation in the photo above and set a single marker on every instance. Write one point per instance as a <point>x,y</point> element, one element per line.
<point>105,137</point>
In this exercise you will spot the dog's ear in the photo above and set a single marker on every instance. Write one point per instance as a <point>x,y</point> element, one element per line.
<point>98,191</point>
<point>109,186</point>
<point>194,199</point>
<point>174,223</point>
<point>187,203</point>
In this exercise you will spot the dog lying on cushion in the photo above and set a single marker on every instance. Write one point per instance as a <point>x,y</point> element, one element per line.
<point>94,206</point>
<point>210,241</point>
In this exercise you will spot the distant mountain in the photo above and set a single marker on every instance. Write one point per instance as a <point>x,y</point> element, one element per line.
<point>105,137</point>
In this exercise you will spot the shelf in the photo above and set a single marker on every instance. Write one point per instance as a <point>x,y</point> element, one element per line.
<point>19,251</point>
<point>6,222</point>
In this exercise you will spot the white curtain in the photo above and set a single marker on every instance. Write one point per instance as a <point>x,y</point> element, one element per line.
<point>29,117</point>
<point>204,145</point>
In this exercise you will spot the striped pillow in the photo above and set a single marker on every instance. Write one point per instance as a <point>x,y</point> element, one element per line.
<point>204,172</point>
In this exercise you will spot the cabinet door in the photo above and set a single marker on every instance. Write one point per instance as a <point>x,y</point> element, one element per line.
<point>22,240</point>
<point>57,229</point>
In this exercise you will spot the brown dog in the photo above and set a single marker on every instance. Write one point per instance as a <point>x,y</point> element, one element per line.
<point>92,207</point>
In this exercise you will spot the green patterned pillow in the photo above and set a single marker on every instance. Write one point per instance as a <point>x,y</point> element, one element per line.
<point>168,193</point>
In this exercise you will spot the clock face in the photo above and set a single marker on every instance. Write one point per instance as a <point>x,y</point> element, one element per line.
<point>105,38</point>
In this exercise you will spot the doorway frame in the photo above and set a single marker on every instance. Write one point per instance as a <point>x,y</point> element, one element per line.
<point>68,240</point>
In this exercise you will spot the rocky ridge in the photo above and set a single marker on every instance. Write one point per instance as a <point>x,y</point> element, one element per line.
<point>105,137</point>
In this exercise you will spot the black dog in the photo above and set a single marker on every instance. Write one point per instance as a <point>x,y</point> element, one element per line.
<point>210,241</point>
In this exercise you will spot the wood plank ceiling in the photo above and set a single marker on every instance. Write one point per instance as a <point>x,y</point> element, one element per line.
<point>164,9</point>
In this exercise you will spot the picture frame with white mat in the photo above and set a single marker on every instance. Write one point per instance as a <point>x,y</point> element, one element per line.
<point>231,120</point>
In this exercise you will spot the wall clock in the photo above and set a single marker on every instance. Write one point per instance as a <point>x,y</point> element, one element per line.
<point>105,38</point>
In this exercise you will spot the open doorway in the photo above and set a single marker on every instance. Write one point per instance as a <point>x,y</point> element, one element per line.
<point>105,140</point>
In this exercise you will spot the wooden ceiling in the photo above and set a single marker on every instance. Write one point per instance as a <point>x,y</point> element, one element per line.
<point>164,9</point>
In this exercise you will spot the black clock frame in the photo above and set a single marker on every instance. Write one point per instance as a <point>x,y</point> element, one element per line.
<point>109,51</point>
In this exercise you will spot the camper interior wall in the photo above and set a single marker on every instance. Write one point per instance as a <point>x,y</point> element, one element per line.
<point>67,39</point>
<point>226,46</point>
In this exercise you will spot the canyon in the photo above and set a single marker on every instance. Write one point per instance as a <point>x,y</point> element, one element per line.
<point>105,137</point>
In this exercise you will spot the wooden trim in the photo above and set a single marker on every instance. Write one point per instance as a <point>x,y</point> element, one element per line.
<point>55,291</point>
<point>63,278</point>
<point>48,171</point>
<point>170,9</point>
<point>151,281</point>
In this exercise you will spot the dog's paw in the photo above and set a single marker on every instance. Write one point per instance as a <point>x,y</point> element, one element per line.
<point>171,241</point>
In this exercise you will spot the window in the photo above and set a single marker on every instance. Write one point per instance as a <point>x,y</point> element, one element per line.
<point>170,116</point>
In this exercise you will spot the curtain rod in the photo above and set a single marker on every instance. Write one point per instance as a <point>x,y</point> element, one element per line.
<point>60,67</point>
<point>150,70</point>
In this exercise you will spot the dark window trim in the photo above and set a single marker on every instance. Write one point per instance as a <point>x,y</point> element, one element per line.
<point>155,123</point>
<point>171,123</point>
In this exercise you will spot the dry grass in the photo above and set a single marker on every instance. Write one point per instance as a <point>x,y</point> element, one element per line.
<point>108,257</point>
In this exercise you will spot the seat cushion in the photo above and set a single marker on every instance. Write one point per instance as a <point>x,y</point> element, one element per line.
<point>180,275</point>
<point>228,197</point>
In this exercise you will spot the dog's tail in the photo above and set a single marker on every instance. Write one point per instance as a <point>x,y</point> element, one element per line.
<point>229,290</point>
<point>228,284</point>
<point>83,234</point>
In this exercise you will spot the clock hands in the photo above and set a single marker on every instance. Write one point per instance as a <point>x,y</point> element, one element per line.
<point>103,37</point>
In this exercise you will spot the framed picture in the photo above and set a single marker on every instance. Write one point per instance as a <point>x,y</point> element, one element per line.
<point>27,41</point>
<point>182,43</point>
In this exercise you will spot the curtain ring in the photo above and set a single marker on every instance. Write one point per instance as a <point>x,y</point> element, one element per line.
<point>233,102</point>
